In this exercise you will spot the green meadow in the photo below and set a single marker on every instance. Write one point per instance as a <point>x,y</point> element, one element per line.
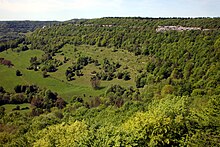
<point>57,80</point>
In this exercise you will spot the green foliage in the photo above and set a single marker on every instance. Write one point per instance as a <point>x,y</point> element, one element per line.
<point>95,82</point>
<point>176,102</point>
<point>169,122</point>
<point>167,89</point>
<point>2,111</point>
<point>62,135</point>
<point>18,73</point>
<point>44,74</point>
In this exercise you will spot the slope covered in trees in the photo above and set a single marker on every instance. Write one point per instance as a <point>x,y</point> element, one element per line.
<point>12,33</point>
<point>185,60</point>
<point>12,29</point>
<point>174,100</point>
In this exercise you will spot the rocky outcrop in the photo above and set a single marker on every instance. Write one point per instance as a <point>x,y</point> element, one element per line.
<point>176,28</point>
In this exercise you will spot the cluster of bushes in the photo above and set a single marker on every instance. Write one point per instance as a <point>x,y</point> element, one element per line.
<point>115,95</point>
<point>22,47</point>
<point>108,70</point>
<point>40,99</point>
<point>46,64</point>
<point>124,75</point>
<point>10,44</point>
<point>34,63</point>
<point>45,101</point>
<point>75,69</point>
<point>23,94</point>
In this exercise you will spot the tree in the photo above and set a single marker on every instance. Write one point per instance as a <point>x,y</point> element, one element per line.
<point>33,60</point>
<point>126,76</point>
<point>65,59</point>
<point>16,108</point>
<point>95,82</point>
<point>167,89</point>
<point>2,90</point>
<point>79,73</point>
<point>63,134</point>
<point>2,111</point>
<point>50,95</point>
<point>24,48</point>
<point>36,111</point>
<point>44,74</point>
<point>70,76</point>
<point>120,75</point>
<point>37,102</point>
<point>18,88</point>
<point>18,73</point>
<point>60,103</point>
<point>51,68</point>
<point>140,81</point>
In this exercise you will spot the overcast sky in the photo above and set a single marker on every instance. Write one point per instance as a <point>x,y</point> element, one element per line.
<point>69,9</point>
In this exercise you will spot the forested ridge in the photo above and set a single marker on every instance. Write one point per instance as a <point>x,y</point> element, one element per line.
<point>180,57</point>
<point>175,100</point>
<point>12,33</point>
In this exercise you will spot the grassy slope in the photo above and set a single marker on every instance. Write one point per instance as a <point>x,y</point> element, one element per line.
<point>21,61</point>
<point>57,80</point>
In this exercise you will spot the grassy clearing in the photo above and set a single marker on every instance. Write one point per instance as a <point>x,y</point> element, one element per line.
<point>21,61</point>
<point>57,80</point>
<point>125,58</point>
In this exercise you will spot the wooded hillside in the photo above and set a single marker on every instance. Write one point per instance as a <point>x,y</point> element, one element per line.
<point>113,82</point>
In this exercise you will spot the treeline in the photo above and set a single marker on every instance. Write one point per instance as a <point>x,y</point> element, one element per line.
<point>208,23</point>
<point>10,44</point>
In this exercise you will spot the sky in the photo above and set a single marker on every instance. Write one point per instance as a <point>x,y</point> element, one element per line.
<point>62,10</point>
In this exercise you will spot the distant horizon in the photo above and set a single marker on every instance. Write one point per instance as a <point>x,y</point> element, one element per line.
<point>64,10</point>
<point>200,17</point>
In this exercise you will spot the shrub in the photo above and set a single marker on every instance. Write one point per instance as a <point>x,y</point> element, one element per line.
<point>18,73</point>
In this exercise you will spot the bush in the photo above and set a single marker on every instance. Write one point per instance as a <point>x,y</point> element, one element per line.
<point>2,89</point>
<point>120,75</point>
<point>18,73</point>
<point>2,111</point>
<point>18,89</point>
<point>16,108</point>
<point>167,89</point>
<point>126,76</point>
<point>44,74</point>
<point>95,82</point>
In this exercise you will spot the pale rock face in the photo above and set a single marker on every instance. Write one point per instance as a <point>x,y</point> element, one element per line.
<point>175,28</point>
